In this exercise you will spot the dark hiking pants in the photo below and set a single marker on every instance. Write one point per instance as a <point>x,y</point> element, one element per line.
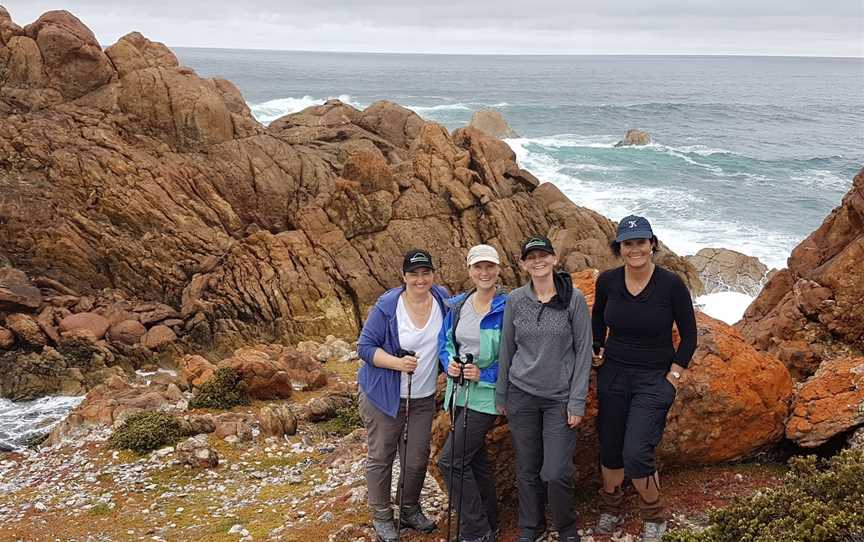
<point>633,404</point>
<point>544,446</point>
<point>478,500</point>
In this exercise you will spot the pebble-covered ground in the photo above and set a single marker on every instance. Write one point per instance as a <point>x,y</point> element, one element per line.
<point>309,487</point>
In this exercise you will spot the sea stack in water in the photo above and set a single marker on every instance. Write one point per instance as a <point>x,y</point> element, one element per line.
<point>492,123</point>
<point>634,138</point>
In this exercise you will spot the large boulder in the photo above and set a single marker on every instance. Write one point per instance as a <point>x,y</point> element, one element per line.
<point>830,403</point>
<point>194,371</point>
<point>724,270</point>
<point>264,376</point>
<point>731,404</point>
<point>812,310</point>
<point>492,123</point>
<point>93,324</point>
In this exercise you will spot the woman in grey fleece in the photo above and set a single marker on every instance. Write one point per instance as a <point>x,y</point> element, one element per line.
<point>545,363</point>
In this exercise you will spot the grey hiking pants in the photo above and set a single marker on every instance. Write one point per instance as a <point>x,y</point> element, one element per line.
<point>384,437</point>
<point>544,446</point>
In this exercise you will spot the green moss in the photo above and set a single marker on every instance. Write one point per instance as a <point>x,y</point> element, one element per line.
<point>147,431</point>
<point>820,501</point>
<point>347,419</point>
<point>223,391</point>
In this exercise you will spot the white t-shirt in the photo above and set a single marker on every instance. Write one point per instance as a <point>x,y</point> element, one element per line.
<point>423,341</point>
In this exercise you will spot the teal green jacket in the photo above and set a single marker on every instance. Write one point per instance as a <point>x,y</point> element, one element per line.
<point>482,394</point>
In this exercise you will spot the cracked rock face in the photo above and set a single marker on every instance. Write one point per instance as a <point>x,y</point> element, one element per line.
<point>812,311</point>
<point>123,169</point>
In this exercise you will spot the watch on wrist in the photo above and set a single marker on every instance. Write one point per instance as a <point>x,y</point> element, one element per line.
<point>676,374</point>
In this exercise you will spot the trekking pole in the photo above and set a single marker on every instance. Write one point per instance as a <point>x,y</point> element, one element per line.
<point>457,381</point>
<point>469,358</point>
<point>402,460</point>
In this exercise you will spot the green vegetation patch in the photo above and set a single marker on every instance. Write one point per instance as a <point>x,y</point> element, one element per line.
<point>147,431</point>
<point>820,501</point>
<point>347,419</point>
<point>223,391</point>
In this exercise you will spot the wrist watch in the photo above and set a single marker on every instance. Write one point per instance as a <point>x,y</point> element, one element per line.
<point>676,374</point>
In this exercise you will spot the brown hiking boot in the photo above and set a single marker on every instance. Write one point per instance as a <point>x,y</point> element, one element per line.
<point>611,511</point>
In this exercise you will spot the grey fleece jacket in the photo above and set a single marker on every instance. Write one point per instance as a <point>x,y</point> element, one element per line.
<point>544,351</point>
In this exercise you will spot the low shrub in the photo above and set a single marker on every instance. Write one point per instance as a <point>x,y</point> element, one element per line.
<point>147,431</point>
<point>347,419</point>
<point>223,391</point>
<point>819,501</point>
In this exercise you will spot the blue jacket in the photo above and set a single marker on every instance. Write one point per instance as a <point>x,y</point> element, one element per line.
<point>482,394</point>
<point>381,330</point>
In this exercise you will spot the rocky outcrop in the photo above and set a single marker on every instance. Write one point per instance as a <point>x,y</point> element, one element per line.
<point>123,169</point>
<point>634,137</point>
<point>724,270</point>
<point>491,122</point>
<point>731,404</point>
<point>830,403</point>
<point>812,310</point>
<point>66,341</point>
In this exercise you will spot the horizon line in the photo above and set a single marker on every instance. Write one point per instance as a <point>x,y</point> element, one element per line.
<point>414,53</point>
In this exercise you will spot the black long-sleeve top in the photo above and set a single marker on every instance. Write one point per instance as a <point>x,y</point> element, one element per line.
<point>640,326</point>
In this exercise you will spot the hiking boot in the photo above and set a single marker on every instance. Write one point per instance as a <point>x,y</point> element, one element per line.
<point>414,518</point>
<point>382,522</point>
<point>653,531</point>
<point>569,537</point>
<point>385,530</point>
<point>608,523</point>
<point>529,535</point>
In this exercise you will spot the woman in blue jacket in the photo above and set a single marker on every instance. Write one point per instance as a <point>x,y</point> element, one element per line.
<point>404,319</point>
<point>473,326</point>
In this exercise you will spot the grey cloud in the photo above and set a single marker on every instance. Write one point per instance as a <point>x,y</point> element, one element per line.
<point>497,25</point>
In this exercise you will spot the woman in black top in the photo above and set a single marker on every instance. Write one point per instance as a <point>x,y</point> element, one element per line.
<point>637,381</point>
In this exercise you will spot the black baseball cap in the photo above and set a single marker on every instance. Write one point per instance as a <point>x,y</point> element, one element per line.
<point>415,259</point>
<point>634,227</point>
<point>537,242</point>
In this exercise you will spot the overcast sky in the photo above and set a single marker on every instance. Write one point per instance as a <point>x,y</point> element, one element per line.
<point>749,27</point>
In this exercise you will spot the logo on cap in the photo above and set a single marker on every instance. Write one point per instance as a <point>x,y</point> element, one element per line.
<point>632,223</point>
<point>419,258</point>
<point>534,242</point>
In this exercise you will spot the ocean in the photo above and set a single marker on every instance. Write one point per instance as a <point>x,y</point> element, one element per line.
<point>749,153</point>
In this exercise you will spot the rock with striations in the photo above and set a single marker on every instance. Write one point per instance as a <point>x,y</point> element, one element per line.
<point>831,402</point>
<point>812,310</point>
<point>17,292</point>
<point>634,137</point>
<point>287,231</point>
<point>724,270</point>
<point>732,403</point>
<point>492,123</point>
<point>26,329</point>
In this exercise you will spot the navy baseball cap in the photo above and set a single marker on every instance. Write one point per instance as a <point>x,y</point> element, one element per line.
<point>537,242</point>
<point>633,227</point>
<point>415,259</point>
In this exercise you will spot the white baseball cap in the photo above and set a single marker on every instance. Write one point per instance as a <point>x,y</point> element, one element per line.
<point>483,253</point>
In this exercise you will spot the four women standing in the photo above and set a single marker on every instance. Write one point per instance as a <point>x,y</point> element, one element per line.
<point>527,357</point>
